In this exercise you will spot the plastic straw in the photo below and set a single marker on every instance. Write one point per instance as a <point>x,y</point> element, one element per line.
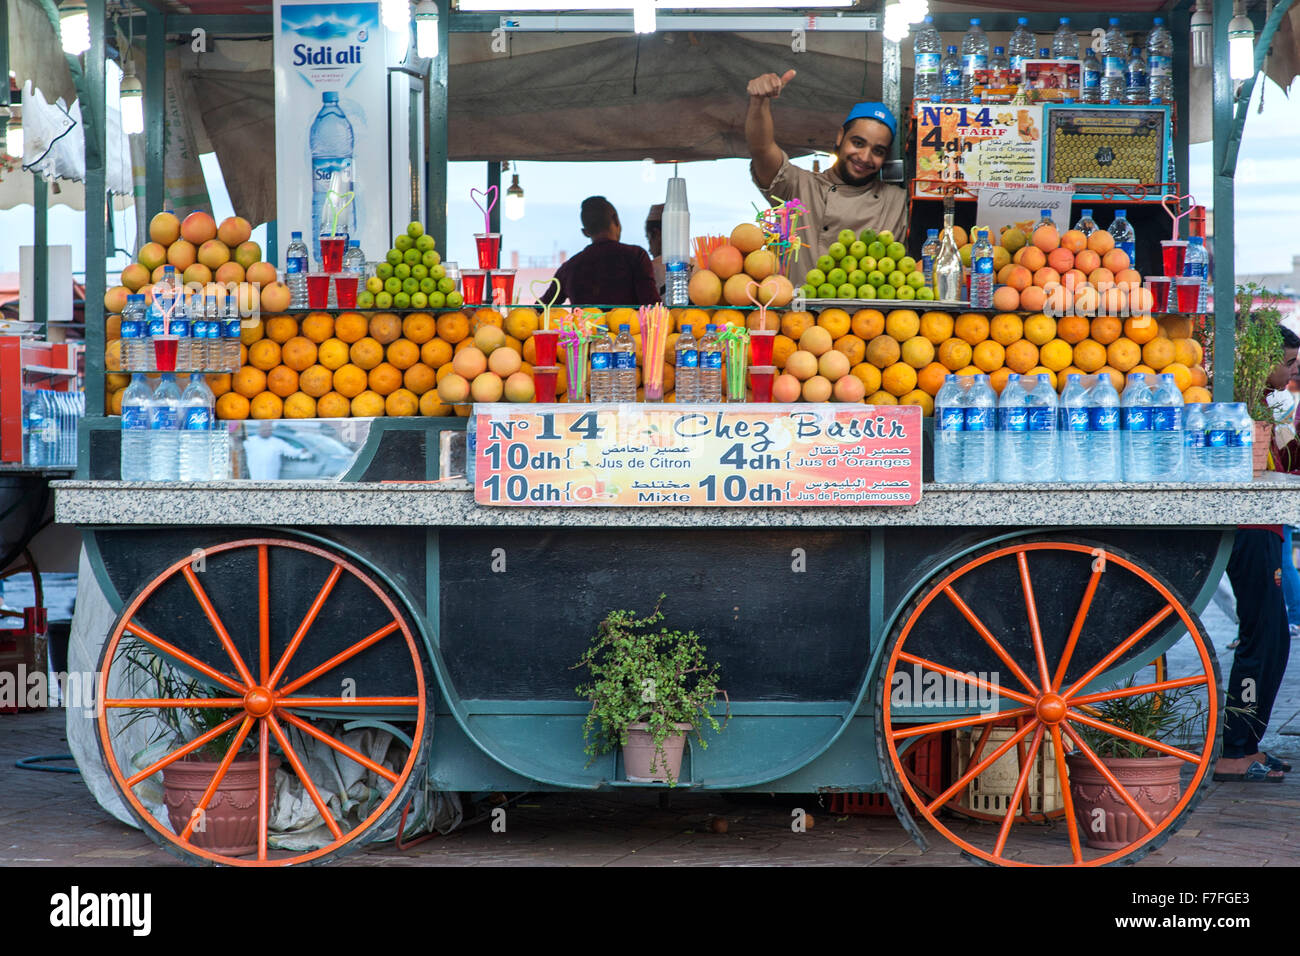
<point>735,344</point>
<point>655,321</point>
<point>546,303</point>
<point>487,211</point>
<point>332,200</point>
<point>1178,201</point>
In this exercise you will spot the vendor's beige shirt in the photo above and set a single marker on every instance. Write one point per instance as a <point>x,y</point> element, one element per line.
<point>830,206</point>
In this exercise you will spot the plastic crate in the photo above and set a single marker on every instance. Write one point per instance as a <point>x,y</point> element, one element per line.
<point>992,790</point>
<point>924,761</point>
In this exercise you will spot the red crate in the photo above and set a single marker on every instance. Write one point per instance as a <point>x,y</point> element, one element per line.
<point>924,761</point>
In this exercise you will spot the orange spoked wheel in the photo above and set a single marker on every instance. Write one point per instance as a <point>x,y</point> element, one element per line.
<point>260,654</point>
<point>1038,649</point>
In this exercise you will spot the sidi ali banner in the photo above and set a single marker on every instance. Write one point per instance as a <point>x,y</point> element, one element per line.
<point>703,455</point>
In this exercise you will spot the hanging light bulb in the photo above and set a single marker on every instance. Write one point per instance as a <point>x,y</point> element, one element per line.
<point>1202,35</point>
<point>895,27</point>
<point>426,29</point>
<point>1241,44</point>
<point>643,16</point>
<point>131,101</point>
<point>14,139</point>
<point>514,200</point>
<point>74,27</point>
<point>914,11</point>
<point>396,15</point>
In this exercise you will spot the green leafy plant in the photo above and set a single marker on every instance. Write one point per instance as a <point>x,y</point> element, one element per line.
<point>643,675</point>
<point>1171,715</point>
<point>1258,348</point>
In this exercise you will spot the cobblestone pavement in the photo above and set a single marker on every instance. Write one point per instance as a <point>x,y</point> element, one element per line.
<point>52,819</point>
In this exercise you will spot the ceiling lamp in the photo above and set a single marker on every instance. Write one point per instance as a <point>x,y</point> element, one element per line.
<point>74,27</point>
<point>1202,35</point>
<point>643,16</point>
<point>1241,44</point>
<point>914,11</point>
<point>895,28</point>
<point>514,201</point>
<point>396,15</point>
<point>131,100</point>
<point>14,134</point>
<point>426,29</point>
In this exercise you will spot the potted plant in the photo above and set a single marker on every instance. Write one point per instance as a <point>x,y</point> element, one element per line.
<point>648,689</point>
<point>229,824</point>
<point>1150,778</point>
<point>1259,351</point>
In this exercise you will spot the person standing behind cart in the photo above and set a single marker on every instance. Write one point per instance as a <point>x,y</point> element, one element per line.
<point>848,195</point>
<point>607,272</point>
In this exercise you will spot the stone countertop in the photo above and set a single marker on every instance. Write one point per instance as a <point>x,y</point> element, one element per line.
<point>1270,499</point>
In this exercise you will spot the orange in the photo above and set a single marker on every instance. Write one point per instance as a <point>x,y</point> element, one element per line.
<point>220,384</point>
<point>1101,242</point>
<point>1089,355</point>
<point>1123,354</point>
<point>852,346</point>
<point>970,370</point>
<point>930,378</point>
<point>453,327</point>
<point>1006,328</point>
<point>520,323</point>
<point>114,401</point>
<point>1006,298</point>
<point>721,317</point>
<point>402,402</point>
<point>902,324</point>
<point>1177,327</point>
<point>1040,329</point>
<point>617,317</point>
<point>332,353</point>
<point>333,405</point>
<point>1199,378</point>
<point>835,321</point>
<point>883,351</point>
<point>1141,328</point>
<point>972,328</point>
<point>436,353</point>
<point>936,326</point>
<point>955,354</point>
<point>349,381</point>
<point>1181,373</point>
<point>795,324</point>
<point>419,378</point>
<point>264,354</point>
<point>898,379</point>
<point>266,405</point>
<point>232,407</point>
<point>298,353</point>
<point>868,375</point>
<point>1143,369</point>
<point>1056,354</point>
<point>318,326</point>
<point>250,332</point>
<point>281,328</point>
<point>989,356</point>
<point>385,327</point>
<point>113,356</point>
<point>384,379</point>
<point>1072,328</point>
<point>918,397</point>
<point>998,378</point>
<point>316,381</point>
<point>486,316</point>
<point>1116,379</point>
<point>1022,355</point>
<point>419,327</point>
<point>782,348</point>
<point>868,323</point>
<point>881,397</point>
<point>1033,299</point>
<point>1063,376</point>
<point>368,405</point>
<point>351,327</point>
<point>113,327</point>
<point>299,405</point>
<point>366,353</point>
<point>1188,352</point>
<point>1106,329</point>
<point>249,381</point>
<point>431,406</point>
<point>1043,370</point>
<point>1197,394</point>
<point>282,380</point>
<point>1159,352</point>
<point>918,351</point>
<point>403,353</point>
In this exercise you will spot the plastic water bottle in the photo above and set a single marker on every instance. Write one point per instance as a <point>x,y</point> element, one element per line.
<point>1065,42</point>
<point>708,383</point>
<point>1104,441</point>
<point>601,386</point>
<point>928,251</point>
<point>194,461</point>
<point>354,260</point>
<point>164,429</point>
<point>208,348</point>
<point>219,446</point>
<point>1044,219</point>
<point>981,272</point>
<point>1122,232</point>
<point>230,328</point>
<point>331,165</point>
<point>134,452</point>
<point>180,327</point>
<point>1220,436</point>
<point>1086,224</point>
<point>1167,431</point>
<point>1042,457</point>
<point>1137,402</point>
<point>974,55</point>
<point>927,52</point>
<point>624,365</point>
<point>296,268</point>
<point>1021,47</point>
<point>1241,459</point>
<point>979,437</point>
<point>999,72</point>
<point>949,431</point>
<point>1196,262</point>
<point>133,332</point>
<point>950,76</point>
<point>1073,422</point>
<point>688,366</point>
<point>1194,464</point>
<point>1114,52</point>
<point>1160,63</point>
<point>1135,78</point>
<point>1091,79</point>
<point>1013,430</point>
<point>471,446</point>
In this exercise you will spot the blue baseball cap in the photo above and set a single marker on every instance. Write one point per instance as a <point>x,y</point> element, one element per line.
<point>873,111</point>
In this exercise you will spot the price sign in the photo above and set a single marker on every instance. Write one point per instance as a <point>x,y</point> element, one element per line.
<point>698,455</point>
<point>972,143</point>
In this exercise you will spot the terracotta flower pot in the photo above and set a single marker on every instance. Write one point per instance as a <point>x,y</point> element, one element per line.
<point>1263,442</point>
<point>1104,819</point>
<point>230,823</point>
<point>642,765</point>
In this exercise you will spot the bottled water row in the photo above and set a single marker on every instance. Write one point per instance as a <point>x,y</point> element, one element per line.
<point>698,367</point>
<point>613,367</point>
<point>170,435</point>
<point>50,422</point>
<point>207,335</point>
<point>1129,73</point>
<point>1091,434</point>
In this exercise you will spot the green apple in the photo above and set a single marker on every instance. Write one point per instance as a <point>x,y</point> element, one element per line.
<point>437,300</point>
<point>857,248</point>
<point>897,279</point>
<point>455,300</point>
<point>815,277</point>
<point>866,292</point>
<point>384,300</point>
<point>384,270</point>
<point>925,293</point>
<point>374,284</point>
<point>411,256</point>
<point>849,263</point>
<point>419,271</point>
<point>876,277</point>
<point>886,265</point>
<point>401,301</point>
<point>858,277</point>
<point>886,291</point>
<point>846,291</point>
<point>837,251</point>
<point>424,243</point>
<point>393,285</point>
<point>916,280</point>
<point>403,243</point>
<point>410,286</point>
<point>885,236</point>
<point>825,263</point>
<point>446,286</point>
<point>437,272</point>
<point>403,271</point>
<point>826,291</point>
<point>896,250</point>
<point>907,264</point>
<point>867,235</point>
<point>876,250</point>
<point>428,286</point>
<point>847,236</point>
<point>419,300</point>
<point>365,299</point>
<point>429,259</point>
<point>866,263</point>
<point>837,277</point>
<point>415,229</point>
<point>394,256</point>
<point>809,291</point>
<point>907,292</point>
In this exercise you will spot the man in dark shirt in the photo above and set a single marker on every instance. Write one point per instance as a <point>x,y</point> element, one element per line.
<point>607,272</point>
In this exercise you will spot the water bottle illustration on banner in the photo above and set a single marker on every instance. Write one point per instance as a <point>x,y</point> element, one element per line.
<point>331,143</point>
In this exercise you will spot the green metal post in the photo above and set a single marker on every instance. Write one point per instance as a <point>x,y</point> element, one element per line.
<point>1180,27</point>
<point>435,201</point>
<point>891,83</point>
<point>41,252</point>
<point>155,117</point>
<point>1224,219</point>
<point>494,179</point>
<point>93,109</point>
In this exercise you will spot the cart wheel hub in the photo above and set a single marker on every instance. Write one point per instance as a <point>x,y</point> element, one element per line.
<point>1051,708</point>
<point>258,702</point>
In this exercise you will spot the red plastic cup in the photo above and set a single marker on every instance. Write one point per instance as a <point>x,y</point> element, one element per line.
<point>489,249</point>
<point>1188,289</point>
<point>545,378</point>
<point>472,285</point>
<point>503,286</point>
<point>331,252</point>
<point>1159,286</point>
<point>545,341</point>
<point>345,289</point>
<point>164,352</point>
<point>761,378</point>
<point>1173,251</point>
<point>318,290</point>
<point>760,347</point>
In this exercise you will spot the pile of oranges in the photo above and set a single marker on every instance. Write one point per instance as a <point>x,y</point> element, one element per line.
<point>1067,274</point>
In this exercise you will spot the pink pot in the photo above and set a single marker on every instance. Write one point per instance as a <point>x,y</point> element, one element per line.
<point>230,823</point>
<point>1263,442</point>
<point>1104,819</point>
<point>641,764</point>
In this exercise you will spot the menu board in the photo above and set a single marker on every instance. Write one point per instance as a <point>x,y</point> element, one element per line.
<point>737,455</point>
<point>1109,145</point>
<point>973,144</point>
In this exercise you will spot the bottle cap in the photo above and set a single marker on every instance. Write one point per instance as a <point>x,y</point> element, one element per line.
<point>1114,21</point>
<point>931,233</point>
<point>1087,213</point>
<point>295,234</point>
<point>1065,21</point>
<point>1074,377</point>
<point>998,51</point>
<point>626,328</point>
<point>1044,52</point>
<point>1121,214</point>
<point>686,329</point>
<point>974,21</point>
<point>1196,241</point>
<point>1159,21</point>
<point>952,49</point>
<point>1044,213</point>
<point>982,378</point>
<point>1013,377</point>
<point>710,328</point>
<point>950,378</point>
<point>1044,378</point>
<point>1023,21</point>
<point>929,19</point>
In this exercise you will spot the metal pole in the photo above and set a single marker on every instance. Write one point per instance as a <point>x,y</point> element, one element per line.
<point>1180,27</point>
<point>1224,220</point>
<point>155,117</point>
<point>494,179</point>
<point>41,252</point>
<point>891,89</point>
<point>93,109</point>
<point>435,202</point>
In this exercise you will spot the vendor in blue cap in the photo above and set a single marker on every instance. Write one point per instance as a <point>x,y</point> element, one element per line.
<point>848,195</point>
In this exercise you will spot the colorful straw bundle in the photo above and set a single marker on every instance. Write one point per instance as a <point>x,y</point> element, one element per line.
<point>655,323</point>
<point>779,224</point>
<point>575,338</point>
<point>704,246</point>
<point>735,346</point>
